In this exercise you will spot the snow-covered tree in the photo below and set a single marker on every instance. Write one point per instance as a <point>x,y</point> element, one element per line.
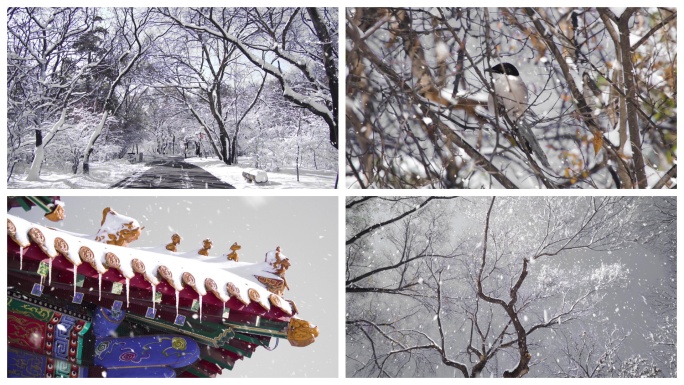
<point>275,40</point>
<point>157,77</point>
<point>660,219</point>
<point>489,286</point>
<point>46,65</point>
<point>135,33</point>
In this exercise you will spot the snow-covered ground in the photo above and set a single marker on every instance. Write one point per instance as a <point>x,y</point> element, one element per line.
<point>286,178</point>
<point>102,175</point>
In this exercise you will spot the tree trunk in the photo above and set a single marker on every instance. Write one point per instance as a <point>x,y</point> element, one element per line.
<point>76,162</point>
<point>523,361</point>
<point>299,130</point>
<point>244,114</point>
<point>205,128</point>
<point>631,93</point>
<point>89,148</point>
<point>297,162</point>
<point>224,147</point>
<point>39,152</point>
<point>233,150</point>
<point>257,141</point>
<point>330,69</point>
<point>38,157</point>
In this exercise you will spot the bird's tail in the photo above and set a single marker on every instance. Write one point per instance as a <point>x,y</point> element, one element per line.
<point>525,130</point>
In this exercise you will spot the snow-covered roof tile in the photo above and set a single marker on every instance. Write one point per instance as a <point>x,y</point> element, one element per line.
<point>224,279</point>
<point>18,229</point>
<point>37,235</point>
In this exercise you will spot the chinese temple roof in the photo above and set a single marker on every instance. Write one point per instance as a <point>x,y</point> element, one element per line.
<point>231,306</point>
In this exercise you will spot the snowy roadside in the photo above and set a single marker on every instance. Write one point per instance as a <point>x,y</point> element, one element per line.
<point>102,175</point>
<point>285,179</point>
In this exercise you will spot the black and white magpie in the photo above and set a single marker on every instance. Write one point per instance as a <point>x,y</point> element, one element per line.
<point>510,90</point>
<point>512,101</point>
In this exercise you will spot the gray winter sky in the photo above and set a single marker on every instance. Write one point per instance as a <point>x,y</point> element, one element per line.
<point>628,307</point>
<point>304,227</point>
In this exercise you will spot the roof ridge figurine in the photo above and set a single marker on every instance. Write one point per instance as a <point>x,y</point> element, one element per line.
<point>279,265</point>
<point>206,245</point>
<point>175,241</point>
<point>117,229</point>
<point>233,256</point>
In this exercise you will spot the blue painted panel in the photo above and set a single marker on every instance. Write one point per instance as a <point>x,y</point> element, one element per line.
<point>149,351</point>
<point>156,372</point>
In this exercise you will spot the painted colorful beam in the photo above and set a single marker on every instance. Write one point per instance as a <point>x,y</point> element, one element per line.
<point>231,308</point>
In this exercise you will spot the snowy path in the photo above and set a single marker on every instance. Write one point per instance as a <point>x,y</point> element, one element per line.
<point>284,178</point>
<point>172,173</point>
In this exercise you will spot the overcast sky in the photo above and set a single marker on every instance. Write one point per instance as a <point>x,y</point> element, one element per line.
<point>627,307</point>
<point>304,227</point>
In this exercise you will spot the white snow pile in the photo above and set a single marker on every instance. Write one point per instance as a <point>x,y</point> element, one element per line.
<point>102,175</point>
<point>282,178</point>
<point>255,175</point>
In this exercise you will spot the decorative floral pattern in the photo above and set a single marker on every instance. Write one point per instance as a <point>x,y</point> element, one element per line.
<point>189,280</point>
<point>62,247</point>
<point>210,285</point>
<point>278,302</point>
<point>275,286</point>
<point>127,356</point>
<point>112,260</point>
<point>37,236</point>
<point>165,273</point>
<point>179,343</point>
<point>86,255</point>
<point>11,229</point>
<point>232,289</point>
<point>27,365</point>
<point>254,296</point>
<point>138,266</point>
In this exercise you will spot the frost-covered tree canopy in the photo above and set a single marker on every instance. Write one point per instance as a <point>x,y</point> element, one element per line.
<point>92,84</point>
<point>511,287</point>
<point>601,88</point>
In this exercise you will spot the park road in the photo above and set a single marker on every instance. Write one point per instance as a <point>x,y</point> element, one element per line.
<point>173,173</point>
